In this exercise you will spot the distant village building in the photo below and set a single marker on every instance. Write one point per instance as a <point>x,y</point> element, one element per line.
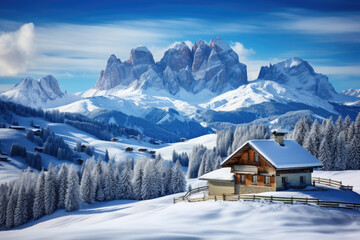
<point>263,166</point>
<point>17,127</point>
<point>152,152</point>
<point>182,139</point>
<point>114,139</point>
<point>142,149</point>
<point>129,149</point>
<point>37,132</point>
<point>36,126</point>
<point>3,157</point>
<point>38,149</point>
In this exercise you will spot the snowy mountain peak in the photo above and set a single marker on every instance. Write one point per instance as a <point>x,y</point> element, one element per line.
<point>219,44</point>
<point>50,86</point>
<point>351,92</point>
<point>141,55</point>
<point>113,59</point>
<point>299,74</point>
<point>32,92</point>
<point>178,57</point>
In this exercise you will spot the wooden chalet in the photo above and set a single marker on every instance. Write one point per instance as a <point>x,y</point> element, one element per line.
<point>263,166</point>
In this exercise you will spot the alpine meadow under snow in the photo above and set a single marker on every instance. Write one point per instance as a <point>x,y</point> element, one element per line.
<point>108,162</point>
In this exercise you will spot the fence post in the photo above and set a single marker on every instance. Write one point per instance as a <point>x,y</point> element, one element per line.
<point>306,200</point>
<point>215,198</point>
<point>314,183</point>
<point>292,201</point>
<point>271,198</point>
<point>318,201</point>
<point>224,197</point>
<point>173,200</point>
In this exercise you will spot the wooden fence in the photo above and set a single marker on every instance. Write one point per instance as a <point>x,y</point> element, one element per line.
<point>331,183</point>
<point>285,200</point>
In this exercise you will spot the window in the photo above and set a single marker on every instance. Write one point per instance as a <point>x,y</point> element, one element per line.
<point>256,157</point>
<point>302,179</point>
<point>254,179</point>
<point>242,178</point>
<point>283,180</point>
<point>267,180</point>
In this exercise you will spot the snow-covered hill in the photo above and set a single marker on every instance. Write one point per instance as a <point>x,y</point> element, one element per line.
<point>44,92</point>
<point>161,219</point>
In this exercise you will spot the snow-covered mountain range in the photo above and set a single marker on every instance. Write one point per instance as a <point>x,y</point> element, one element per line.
<point>191,92</point>
<point>351,92</point>
<point>214,66</point>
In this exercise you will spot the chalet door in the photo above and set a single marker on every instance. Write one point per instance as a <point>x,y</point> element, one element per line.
<point>284,182</point>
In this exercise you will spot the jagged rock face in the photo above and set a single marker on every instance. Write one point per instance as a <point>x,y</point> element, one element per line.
<point>50,87</point>
<point>214,66</point>
<point>298,74</point>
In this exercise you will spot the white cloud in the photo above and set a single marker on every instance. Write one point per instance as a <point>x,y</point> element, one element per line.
<point>338,70</point>
<point>322,25</point>
<point>241,51</point>
<point>16,50</point>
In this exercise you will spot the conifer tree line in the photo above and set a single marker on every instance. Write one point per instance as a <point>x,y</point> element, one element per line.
<point>336,145</point>
<point>203,160</point>
<point>34,194</point>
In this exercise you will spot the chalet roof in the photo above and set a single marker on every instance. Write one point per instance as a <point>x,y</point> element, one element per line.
<point>222,174</point>
<point>289,156</point>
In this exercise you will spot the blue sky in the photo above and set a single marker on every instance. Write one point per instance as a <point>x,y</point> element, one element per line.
<point>73,39</point>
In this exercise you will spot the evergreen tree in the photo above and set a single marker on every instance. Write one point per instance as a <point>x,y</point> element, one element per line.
<point>341,152</point>
<point>125,181</point>
<point>3,203</point>
<point>159,176</point>
<point>20,214</point>
<point>167,179</point>
<point>39,201</point>
<point>178,180</point>
<point>118,190</point>
<point>312,140</point>
<point>106,157</point>
<point>50,191</point>
<point>324,156</point>
<point>148,188</point>
<point>352,162</point>
<point>72,198</point>
<point>138,179</point>
<point>98,174</point>
<point>301,129</point>
<point>62,184</point>
<point>87,188</point>
<point>11,206</point>
<point>357,139</point>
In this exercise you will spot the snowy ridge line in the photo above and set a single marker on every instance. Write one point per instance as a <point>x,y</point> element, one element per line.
<point>285,200</point>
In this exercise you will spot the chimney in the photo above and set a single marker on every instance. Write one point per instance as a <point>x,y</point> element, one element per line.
<point>279,136</point>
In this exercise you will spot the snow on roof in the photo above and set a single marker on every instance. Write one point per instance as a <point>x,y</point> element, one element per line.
<point>291,155</point>
<point>222,174</point>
